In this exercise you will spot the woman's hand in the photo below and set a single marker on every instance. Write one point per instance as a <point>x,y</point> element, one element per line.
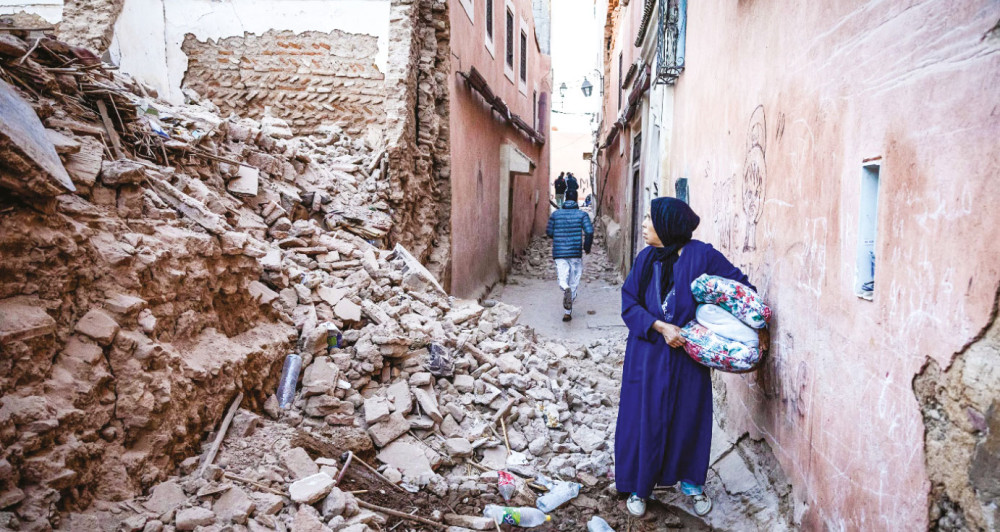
<point>671,333</point>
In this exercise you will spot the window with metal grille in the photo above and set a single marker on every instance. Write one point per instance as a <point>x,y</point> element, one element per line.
<point>510,39</point>
<point>489,19</point>
<point>524,56</point>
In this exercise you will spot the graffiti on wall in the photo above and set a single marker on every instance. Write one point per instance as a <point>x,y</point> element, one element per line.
<point>754,175</point>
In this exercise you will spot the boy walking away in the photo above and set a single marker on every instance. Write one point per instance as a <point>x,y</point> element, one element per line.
<point>560,190</point>
<point>572,234</point>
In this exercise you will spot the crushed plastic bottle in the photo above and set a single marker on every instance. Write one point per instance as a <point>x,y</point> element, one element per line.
<point>506,484</point>
<point>596,524</point>
<point>289,379</point>
<point>522,517</point>
<point>560,491</point>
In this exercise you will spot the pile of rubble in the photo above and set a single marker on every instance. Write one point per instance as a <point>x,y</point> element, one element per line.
<point>161,260</point>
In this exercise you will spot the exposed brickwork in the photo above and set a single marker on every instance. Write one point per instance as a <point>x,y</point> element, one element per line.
<point>308,78</point>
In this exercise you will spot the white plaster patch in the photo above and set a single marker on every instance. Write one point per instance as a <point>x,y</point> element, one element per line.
<point>50,10</point>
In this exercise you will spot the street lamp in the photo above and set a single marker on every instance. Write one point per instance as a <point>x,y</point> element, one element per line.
<point>562,90</point>
<point>587,87</point>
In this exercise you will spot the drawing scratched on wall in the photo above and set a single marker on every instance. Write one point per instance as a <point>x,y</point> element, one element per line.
<point>754,175</point>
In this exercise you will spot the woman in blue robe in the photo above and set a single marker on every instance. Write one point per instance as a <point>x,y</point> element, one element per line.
<point>664,430</point>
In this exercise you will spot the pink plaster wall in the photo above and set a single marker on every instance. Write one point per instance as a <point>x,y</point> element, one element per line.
<point>612,176</point>
<point>476,137</point>
<point>833,84</point>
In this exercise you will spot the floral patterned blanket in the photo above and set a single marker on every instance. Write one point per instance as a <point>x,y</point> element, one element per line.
<point>740,300</point>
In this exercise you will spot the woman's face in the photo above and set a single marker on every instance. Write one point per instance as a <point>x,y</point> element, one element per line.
<point>649,234</point>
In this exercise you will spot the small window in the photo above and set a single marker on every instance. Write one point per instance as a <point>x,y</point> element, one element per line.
<point>619,81</point>
<point>489,19</point>
<point>510,39</point>
<point>681,189</point>
<point>524,56</point>
<point>864,284</point>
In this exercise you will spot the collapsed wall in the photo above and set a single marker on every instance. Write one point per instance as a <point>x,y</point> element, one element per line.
<point>308,79</point>
<point>142,284</point>
<point>87,23</point>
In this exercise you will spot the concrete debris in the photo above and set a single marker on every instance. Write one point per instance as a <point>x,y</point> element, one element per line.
<point>311,489</point>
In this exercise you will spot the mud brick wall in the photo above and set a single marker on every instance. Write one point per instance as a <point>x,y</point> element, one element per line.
<point>419,143</point>
<point>308,79</point>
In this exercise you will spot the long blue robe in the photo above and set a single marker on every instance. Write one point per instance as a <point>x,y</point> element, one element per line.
<point>664,431</point>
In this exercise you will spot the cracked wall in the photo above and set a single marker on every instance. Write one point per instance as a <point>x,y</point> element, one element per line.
<point>960,405</point>
<point>308,79</point>
<point>776,171</point>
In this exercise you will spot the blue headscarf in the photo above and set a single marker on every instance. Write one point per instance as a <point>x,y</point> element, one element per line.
<point>674,222</point>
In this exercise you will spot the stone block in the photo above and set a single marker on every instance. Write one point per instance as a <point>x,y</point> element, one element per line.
<point>458,447</point>
<point>124,304</point>
<point>311,489</point>
<point>384,433</point>
<point>234,506</point>
<point>347,311</point>
<point>166,497</point>
<point>122,172</point>
<point>320,377</point>
<point>376,409</point>
<point>428,403</point>
<point>23,318</point>
<point>191,518</point>
<point>298,462</point>
<point>464,383</point>
<point>401,397</point>
<point>408,455</point>
<point>98,325</point>
<point>246,183</point>
<point>471,522</point>
<point>268,503</point>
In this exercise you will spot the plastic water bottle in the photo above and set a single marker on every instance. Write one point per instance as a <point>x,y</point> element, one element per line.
<point>289,379</point>
<point>596,524</point>
<point>522,517</point>
<point>559,492</point>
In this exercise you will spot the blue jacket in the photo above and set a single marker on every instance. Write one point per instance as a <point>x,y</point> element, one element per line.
<point>571,232</point>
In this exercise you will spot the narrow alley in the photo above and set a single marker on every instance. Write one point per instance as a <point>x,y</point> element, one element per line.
<point>283,265</point>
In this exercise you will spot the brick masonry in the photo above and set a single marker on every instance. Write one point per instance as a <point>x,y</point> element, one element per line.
<point>308,79</point>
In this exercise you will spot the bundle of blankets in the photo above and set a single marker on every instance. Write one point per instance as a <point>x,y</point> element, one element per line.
<point>723,335</point>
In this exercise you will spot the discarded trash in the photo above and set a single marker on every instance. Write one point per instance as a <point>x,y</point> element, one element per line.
<point>560,491</point>
<point>333,337</point>
<point>550,413</point>
<point>440,363</point>
<point>289,378</point>
<point>596,524</point>
<point>507,484</point>
<point>522,517</point>
<point>517,458</point>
